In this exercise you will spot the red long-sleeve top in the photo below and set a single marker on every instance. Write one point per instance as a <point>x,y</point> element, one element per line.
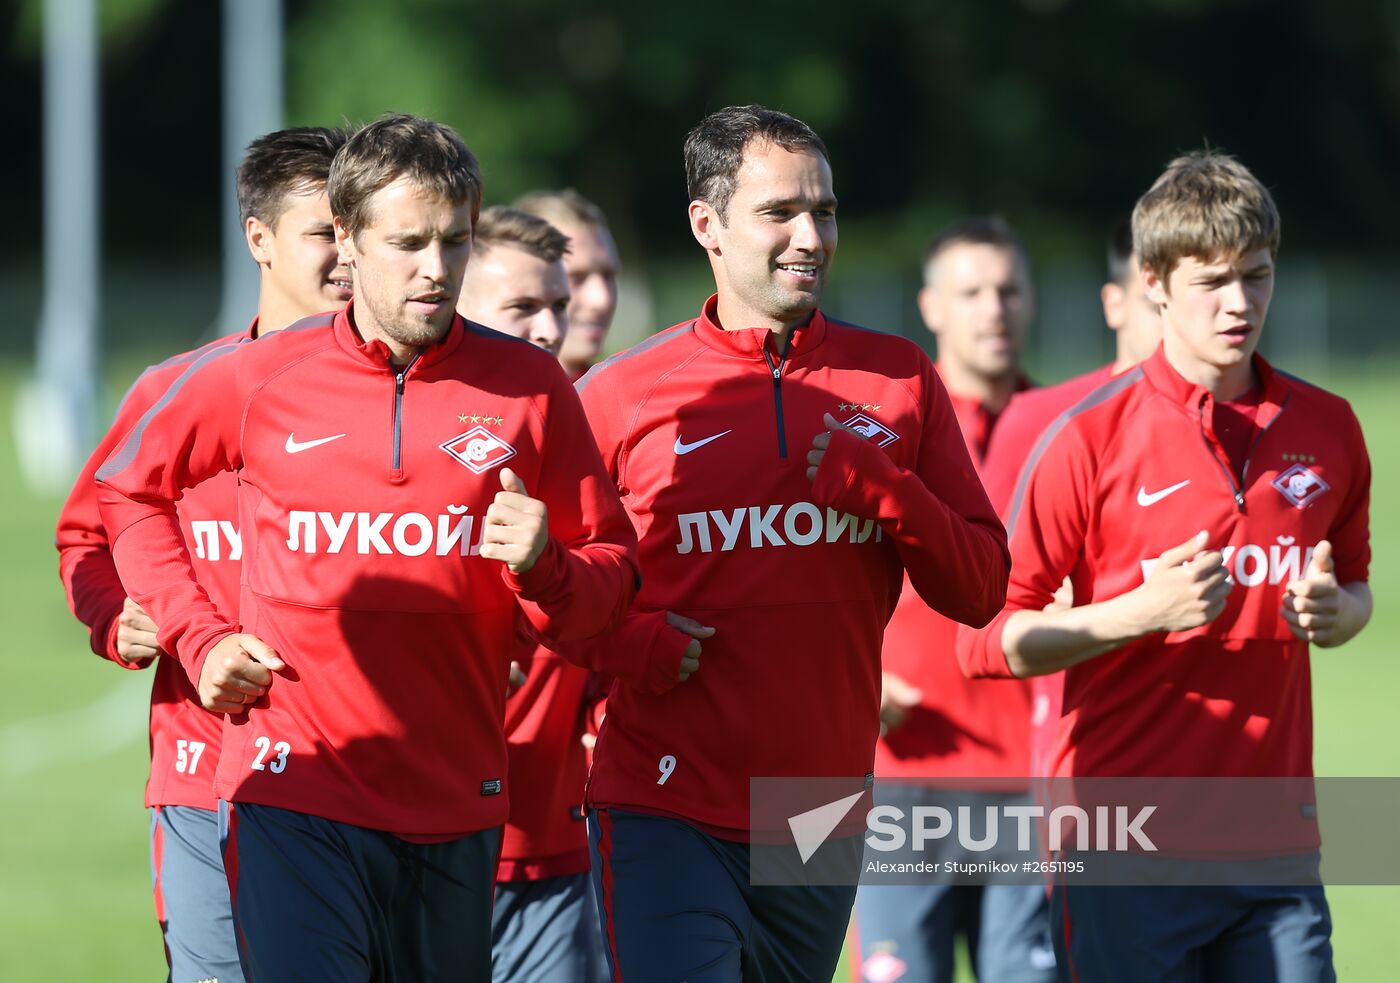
<point>705,433</point>
<point>362,489</point>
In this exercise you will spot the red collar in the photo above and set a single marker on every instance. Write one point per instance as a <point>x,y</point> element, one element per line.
<point>752,342</point>
<point>1179,390</point>
<point>377,354</point>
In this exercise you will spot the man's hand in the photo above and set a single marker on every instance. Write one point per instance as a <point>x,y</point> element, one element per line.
<point>515,677</point>
<point>897,698</point>
<point>1317,608</point>
<point>690,662</point>
<point>1186,589</point>
<point>819,445</point>
<point>136,635</point>
<point>237,671</point>
<point>1063,599</point>
<point>517,526</point>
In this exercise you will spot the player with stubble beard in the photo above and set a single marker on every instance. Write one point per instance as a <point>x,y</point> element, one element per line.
<point>783,469</point>
<point>363,773</point>
<point>948,740</point>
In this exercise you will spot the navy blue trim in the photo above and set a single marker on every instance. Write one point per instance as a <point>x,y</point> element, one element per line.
<point>473,327</point>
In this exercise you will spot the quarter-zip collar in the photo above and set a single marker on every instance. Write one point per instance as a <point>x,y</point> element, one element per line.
<point>753,342</point>
<point>1195,399</point>
<point>376,353</point>
<point>1199,405</point>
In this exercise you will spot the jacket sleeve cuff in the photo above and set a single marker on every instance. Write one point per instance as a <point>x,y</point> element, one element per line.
<point>854,475</point>
<point>194,665</point>
<point>667,647</point>
<point>542,579</point>
<point>980,651</point>
<point>109,647</point>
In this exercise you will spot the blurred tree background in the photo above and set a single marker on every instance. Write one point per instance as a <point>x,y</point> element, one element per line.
<point>1054,113</point>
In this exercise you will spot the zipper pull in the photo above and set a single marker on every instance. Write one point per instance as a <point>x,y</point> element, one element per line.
<point>398,383</point>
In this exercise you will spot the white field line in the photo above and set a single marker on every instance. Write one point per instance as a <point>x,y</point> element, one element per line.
<point>115,720</point>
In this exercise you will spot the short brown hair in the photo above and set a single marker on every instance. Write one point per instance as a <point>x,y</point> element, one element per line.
<point>285,162</point>
<point>432,156</point>
<point>567,206</point>
<point>976,230</point>
<point>1207,205</point>
<point>502,226</point>
<point>714,150</point>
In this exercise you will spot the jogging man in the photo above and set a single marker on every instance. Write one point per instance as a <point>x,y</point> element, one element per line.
<point>287,220</point>
<point>783,469</point>
<point>948,739</point>
<point>363,762</point>
<point>544,925</point>
<point>1212,516</point>
<point>1137,331</point>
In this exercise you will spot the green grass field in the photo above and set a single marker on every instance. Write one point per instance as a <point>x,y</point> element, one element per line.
<point>75,897</point>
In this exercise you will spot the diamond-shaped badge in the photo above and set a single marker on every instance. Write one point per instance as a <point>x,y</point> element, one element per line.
<point>871,429</point>
<point>1301,485</point>
<point>479,449</point>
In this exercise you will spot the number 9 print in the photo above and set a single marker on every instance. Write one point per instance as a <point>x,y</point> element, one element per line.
<point>667,764</point>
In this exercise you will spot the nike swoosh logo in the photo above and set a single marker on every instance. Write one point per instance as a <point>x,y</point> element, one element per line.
<point>296,447</point>
<point>683,448</point>
<point>1144,499</point>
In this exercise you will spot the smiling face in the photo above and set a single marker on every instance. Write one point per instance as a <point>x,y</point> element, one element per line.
<point>591,264</point>
<point>1212,317</point>
<point>977,301</point>
<point>522,295</point>
<point>301,269</point>
<point>407,262</point>
<point>772,251</point>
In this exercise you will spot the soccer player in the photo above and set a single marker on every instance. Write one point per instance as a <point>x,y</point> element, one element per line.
<point>287,220</point>
<point>1212,515</point>
<point>784,469</point>
<point>939,725</point>
<point>1137,331</point>
<point>363,765</point>
<point>544,926</point>
<point>516,281</point>
<point>1137,328</point>
<point>592,265</point>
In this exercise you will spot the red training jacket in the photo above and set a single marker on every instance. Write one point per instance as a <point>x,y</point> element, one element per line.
<point>184,735</point>
<point>706,434</point>
<point>1021,424</point>
<point>361,492</point>
<point>1134,469</point>
<point>963,728</point>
